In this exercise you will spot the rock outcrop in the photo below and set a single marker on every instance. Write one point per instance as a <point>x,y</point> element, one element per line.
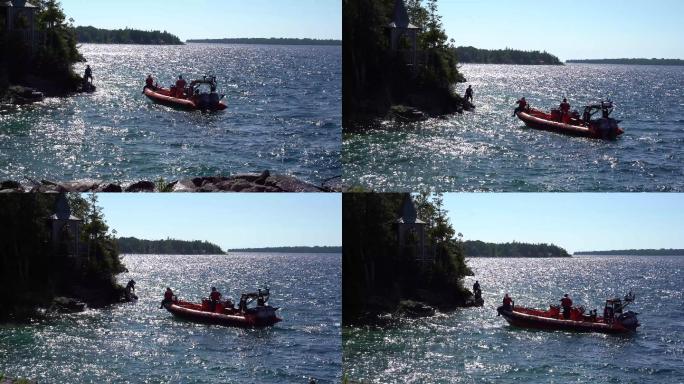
<point>249,182</point>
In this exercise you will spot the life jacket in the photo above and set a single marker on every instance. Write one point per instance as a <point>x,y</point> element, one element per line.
<point>149,81</point>
<point>565,107</point>
<point>215,296</point>
<point>168,295</point>
<point>566,302</point>
<point>507,301</point>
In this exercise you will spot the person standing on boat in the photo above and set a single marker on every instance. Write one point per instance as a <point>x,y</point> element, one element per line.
<point>180,86</point>
<point>469,93</point>
<point>508,303</point>
<point>565,110</point>
<point>215,297</point>
<point>566,304</point>
<point>522,105</point>
<point>168,297</point>
<point>149,82</point>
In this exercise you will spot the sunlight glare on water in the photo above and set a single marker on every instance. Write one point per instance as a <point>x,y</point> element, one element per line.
<point>284,114</point>
<point>473,345</point>
<point>138,342</point>
<point>489,150</point>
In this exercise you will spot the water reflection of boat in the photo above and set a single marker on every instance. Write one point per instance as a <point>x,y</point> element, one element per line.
<point>604,127</point>
<point>225,313</point>
<point>614,320</point>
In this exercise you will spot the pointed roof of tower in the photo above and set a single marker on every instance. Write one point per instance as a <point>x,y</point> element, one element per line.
<point>409,215</point>
<point>62,209</point>
<point>400,18</point>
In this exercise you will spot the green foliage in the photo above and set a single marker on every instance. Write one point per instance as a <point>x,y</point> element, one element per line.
<point>52,55</point>
<point>376,270</point>
<point>505,56</point>
<point>125,36</point>
<point>476,248</point>
<point>269,41</point>
<point>133,245</point>
<point>375,77</point>
<point>32,271</point>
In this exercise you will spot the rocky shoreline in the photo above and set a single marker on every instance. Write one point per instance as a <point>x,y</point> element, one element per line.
<point>380,312</point>
<point>248,182</point>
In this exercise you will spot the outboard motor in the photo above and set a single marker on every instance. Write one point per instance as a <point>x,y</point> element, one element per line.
<point>214,99</point>
<point>203,101</point>
<point>606,127</point>
<point>629,320</point>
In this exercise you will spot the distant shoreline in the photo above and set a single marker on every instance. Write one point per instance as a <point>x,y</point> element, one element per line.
<point>664,62</point>
<point>633,252</point>
<point>269,41</point>
<point>288,250</point>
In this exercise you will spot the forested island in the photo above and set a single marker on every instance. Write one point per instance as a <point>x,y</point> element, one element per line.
<point>476,248</point>
<point>125,36</point>
<point>290,249</point>
<point>653,61</point>
<point>268,41</point>
<point>383,69</point>
<point>46,253</point>
<point>132,245</point>
<point>635,252</point>
<point>38,52</point>
<point>505,56</point>
<point>379,275</point>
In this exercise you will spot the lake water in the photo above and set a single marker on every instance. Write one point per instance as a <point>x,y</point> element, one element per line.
<point>475,346</point>
<point>284,114</point>
<point>488,150</point>
<point>138,342</point>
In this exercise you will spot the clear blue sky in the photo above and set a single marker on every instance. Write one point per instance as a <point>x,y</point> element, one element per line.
<point>321,19</point>
<point>230,220</point>
<point>576,29</point>
<point>574,221</point>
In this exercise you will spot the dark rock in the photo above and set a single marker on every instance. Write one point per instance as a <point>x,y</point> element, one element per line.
<point>78,186</point>
<point>240,185</point>
<point>10,184</point>
<point>67,305</point>
<point>109,188</point>
<point>412,308</point>
<point>262,178</point>
<point>291,184</point>
<point>141,186</point>
<point>334,184</point>
<point>208,187</point>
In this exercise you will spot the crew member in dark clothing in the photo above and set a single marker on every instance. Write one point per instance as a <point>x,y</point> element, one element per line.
<point>469,94</point>
<point>522,105</point>
<point>214,296</point>
<point>168,297</point>
<point>476,286</point>
<point>565,110</point>
<point>149,82</point>
<point>88,76</point>
<point>130,291</point>
<point>508,303</point>
<point>566,304</point>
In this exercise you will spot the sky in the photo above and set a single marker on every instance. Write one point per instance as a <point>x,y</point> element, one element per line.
<point>196,19</point>
<point>576,29</point>
<point>244,220</point>
<point>574,221</point>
